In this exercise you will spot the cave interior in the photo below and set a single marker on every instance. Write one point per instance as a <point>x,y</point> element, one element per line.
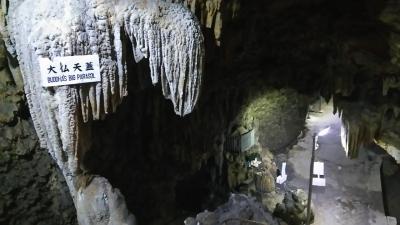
<point>274,73</point>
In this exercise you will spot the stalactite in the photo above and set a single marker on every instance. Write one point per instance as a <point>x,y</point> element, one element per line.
<point>362,124</point>
<point>165,33</point>
<point>176,57</point>
<point>214,14</point>
<point>352,137</point>
<point>359,126</point>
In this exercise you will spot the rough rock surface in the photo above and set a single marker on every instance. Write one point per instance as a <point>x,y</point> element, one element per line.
<point>32,188</point>
<point>247,178</point>
<point>213,14</point>
<point>281,111</point>
<point>100,203</point>
<point>293,209</point>
<point>240,209</point>
<point>364,123</point>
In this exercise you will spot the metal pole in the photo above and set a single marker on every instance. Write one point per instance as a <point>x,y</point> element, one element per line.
<point>310,181</point>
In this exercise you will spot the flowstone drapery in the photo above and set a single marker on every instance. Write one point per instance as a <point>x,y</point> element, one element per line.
<point>165,33</point>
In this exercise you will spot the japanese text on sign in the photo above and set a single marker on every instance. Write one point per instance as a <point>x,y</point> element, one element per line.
<point>69,70</point>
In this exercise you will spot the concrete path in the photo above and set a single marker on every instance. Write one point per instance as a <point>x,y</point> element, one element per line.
<point>353,194</point>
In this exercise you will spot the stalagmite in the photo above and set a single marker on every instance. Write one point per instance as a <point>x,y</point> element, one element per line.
<point>165,33</point>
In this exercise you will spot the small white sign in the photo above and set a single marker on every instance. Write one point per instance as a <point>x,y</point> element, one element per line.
<point>283,177</point>
<point>318,174</point>
<point>70,70</point>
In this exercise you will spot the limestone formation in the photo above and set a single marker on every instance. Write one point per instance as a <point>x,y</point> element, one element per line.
<point>293,209</point>
<point>165,33</point>
<point>102,204</point>
<point>32,188</point>
<point>363,123</point>
<point>211,14</point>
<point>240,209</point>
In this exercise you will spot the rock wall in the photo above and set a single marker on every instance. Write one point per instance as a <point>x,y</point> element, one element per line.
<point>277,115</point>
<point>239,209</point>
<point>32,187</point>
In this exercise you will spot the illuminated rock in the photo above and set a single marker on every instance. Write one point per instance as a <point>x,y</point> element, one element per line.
<point>165,33</point>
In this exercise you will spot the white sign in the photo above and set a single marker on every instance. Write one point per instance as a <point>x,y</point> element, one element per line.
<point>318,174</point>
<point>70,70</point>
<point>283,177</point>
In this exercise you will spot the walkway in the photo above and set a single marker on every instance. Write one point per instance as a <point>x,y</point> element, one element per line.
<point>353,194</point>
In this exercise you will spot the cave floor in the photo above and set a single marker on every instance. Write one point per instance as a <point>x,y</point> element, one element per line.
<point>353,193</point>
